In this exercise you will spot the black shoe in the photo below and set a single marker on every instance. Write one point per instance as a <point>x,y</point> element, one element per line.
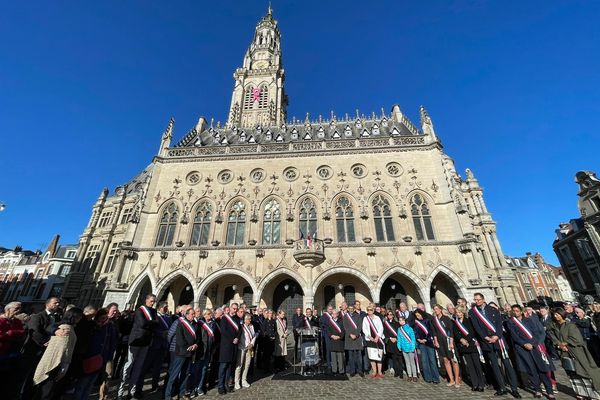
<point>515,394</point>
<point>500,393</point>
<point>480,389</point>
<point>473,389</point>
<point>221,391</point>
<point>361,374</point>
<point>352,375</point>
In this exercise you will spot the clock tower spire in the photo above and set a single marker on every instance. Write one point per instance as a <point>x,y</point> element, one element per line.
<point>258,95</point>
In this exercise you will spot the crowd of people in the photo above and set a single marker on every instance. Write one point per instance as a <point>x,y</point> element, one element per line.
<point>60,352</point>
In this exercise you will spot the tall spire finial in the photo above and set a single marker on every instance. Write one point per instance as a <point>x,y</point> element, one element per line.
<point>270,10</point>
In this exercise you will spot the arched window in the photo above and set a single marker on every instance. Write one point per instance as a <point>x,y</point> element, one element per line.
<point>382,216</point>
<point>248,98</point>
<point>421,218</point>
<point>308,217</point>
<point>236,224</point>
<point>344,220</point>
<point>272,223</point>
<point>167,226</point>
<point>263,97</point>
<point>201,227</point>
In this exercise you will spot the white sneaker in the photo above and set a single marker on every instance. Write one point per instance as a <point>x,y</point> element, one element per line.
<point>237,386</point>
<point>245,384</point>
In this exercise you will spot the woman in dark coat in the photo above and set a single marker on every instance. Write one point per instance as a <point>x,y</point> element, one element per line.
<point>571,344</point>
<point>393,355</point>
<point>532,358</point>
<point>468,348</point>
<point>269,331</point>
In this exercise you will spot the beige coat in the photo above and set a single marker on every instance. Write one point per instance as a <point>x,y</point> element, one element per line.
<point>281,340</point>
<point>57,354</point>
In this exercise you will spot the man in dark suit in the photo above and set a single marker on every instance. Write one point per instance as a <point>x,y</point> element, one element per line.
<point>140,338</point>
<point>35,344</point>
<point>230,333</point>
<point>488,324</point>
<point>297,324</point>
<point>159,348</point>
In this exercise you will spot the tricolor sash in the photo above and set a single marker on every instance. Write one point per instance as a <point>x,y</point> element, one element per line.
<point>465,332</point>
<point>205,326</point>
<point>406,335</point>
<point>188,326</point>
<point>249,335</point>
<point>231,322</point>
<point>334,325</point>
<point>440,327</point>
<point>146,313</point>
<point>461,327</point>
<point>387,325</point>
<point>421,326</point>
<point>492,328</point>
<point>349,317</point>
<point>307,323</point>
<point>527,333</point>
<point>162,319</point>
<point>282,324</point>
<point>374,330</point>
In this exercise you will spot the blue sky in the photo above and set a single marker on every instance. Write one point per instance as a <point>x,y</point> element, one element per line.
<point>86,88</point>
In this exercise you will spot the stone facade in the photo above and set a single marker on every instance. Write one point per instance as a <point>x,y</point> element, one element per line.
<point>219,215</point>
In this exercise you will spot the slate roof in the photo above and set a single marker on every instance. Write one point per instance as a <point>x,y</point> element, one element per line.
<point>299,132</point>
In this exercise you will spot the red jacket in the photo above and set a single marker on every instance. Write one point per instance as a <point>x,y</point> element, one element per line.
<point>11,333</point>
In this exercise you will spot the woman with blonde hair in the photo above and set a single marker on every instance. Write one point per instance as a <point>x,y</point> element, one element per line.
<point>372,328</point>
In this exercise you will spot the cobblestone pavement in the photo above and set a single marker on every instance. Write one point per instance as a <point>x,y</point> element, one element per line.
<point>360,388</point>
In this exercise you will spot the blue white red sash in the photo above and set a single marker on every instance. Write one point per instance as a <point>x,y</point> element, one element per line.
<point>349,317</point>
<point>440,326</point>
<point>249,335</point>
<point>406,335</point>
<point>231,322</point>
<point>188,326</point>
<point>527,333</point>
<point>306,322</point>
<point>334,325</point>
<point>146,313</point>
<point>492,328</point>
<point>422,326</point>
<point>461,327</point>
<point>387,325</point>
<point>162,319</point>
<point>205,326</point>
<point>282,324</point>
<point>465,332</point>
<point>374,330</point>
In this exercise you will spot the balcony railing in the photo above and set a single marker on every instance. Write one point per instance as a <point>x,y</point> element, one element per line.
<point>309,253</point>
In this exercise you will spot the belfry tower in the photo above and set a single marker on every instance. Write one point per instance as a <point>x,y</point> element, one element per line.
<point>258,96</point>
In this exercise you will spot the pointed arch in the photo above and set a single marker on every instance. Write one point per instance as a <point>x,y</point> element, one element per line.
<point>168,222</point>
<point>164,283</point>
<point>382,207</point>
<point>307,211</point>
<point>417,283</point>
<point>344,270</point>
<point>274,274</point>
<point>271,215</point>
<point>419,203</point>
<point>210,279</point>
<point>202,216</point>
<point>236,215</point>
<point>458,283</point>
<point>344,209</point>
<point>137,285</point>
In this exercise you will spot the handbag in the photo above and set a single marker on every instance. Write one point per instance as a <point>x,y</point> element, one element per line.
<point>568,362</point>
<point>92,364</point>
<point>374,354</point>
